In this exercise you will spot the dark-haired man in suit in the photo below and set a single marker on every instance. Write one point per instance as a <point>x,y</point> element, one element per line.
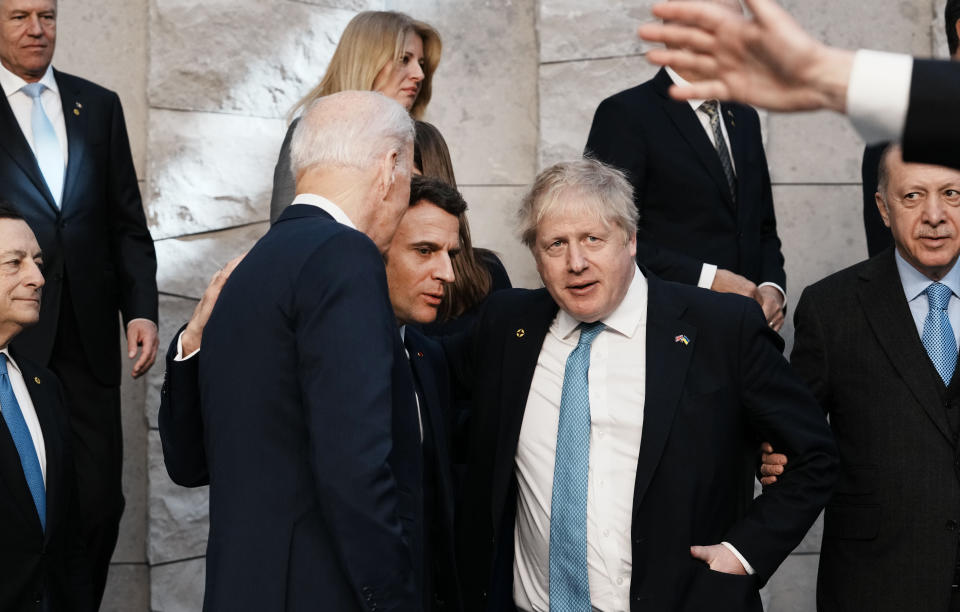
<point>65,160</point>
<point>36,476</point>
<point>701,185</point>
<point>594,396</point>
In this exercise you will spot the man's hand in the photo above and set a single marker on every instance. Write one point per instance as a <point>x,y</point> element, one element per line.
<point>728,282</point>
<point>772,306</point>
<point>719,558</point>
<point>767,60</point>
<point>771,464</point>
<point>142,333</point>
<point>191,338</point>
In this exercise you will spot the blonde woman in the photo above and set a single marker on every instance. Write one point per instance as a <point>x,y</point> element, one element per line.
<point>382,51</point>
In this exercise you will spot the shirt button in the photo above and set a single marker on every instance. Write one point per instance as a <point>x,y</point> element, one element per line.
<point>619,580</point>
<point>606,533</point>
<point>599,434</point>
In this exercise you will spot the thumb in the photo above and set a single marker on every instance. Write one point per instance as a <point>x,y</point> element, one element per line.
<point>702,553</point>
<point>133,339</point>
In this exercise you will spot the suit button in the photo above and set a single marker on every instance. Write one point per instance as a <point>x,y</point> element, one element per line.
<point>483,596</point>
<point>952,525</point>
<point>63,224</point>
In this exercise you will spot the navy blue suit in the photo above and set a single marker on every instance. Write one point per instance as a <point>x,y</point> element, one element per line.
<point>687,214</point>
<point>38,566</point>
<point>711,398</point>
<point>311,434</point>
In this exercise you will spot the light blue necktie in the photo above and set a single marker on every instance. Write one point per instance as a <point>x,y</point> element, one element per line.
<point>23,441</point>
<point>569,584</point>
<point>46,145</point>
<point>938,336</point>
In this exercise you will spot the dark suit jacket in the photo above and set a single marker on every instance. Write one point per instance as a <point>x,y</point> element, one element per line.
<point>705,403</point>
<point>890,530</point>
<point>35,563</point>
<point>930,134</point>
<point>687,215</point>
<point>98,240</point>
<point>310,431</point>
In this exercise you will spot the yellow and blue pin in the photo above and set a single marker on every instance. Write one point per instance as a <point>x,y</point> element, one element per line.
<point>682,339</point>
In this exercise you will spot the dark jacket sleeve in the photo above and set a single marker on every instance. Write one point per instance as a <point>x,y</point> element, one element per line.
<point>782,410</point>
<point>930,133</point>
<point>284,188</point>
<point>135,259</point>
<point>610,142</point>
<point>181,422</point>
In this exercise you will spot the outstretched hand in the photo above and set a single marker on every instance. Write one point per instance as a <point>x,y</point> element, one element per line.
<point>766,60</point>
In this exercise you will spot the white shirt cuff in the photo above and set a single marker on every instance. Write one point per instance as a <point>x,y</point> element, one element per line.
<point>778,288</point>
<point>743,562</point>
<point>707,273</point>
<point>879,94</point>
<point>180,356</point>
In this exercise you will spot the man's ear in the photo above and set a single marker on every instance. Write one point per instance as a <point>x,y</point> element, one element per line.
<point>882,207</point>
<point>387,174</point>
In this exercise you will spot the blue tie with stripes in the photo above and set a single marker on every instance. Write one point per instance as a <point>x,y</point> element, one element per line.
<point>569,583</point>
<point>22,439</point>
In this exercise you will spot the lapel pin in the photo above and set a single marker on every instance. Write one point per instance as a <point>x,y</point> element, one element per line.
<point>77,107</point>
<point>76,112</point>
<point>419,354</point>
<point>682,339</point>
<point>521,333</point>
<point>36,379</point>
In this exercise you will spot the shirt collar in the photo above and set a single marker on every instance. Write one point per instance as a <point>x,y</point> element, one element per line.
<point>323,203</point>
<point>679,80</point>
<point>625,319</point>
<point>915,282</point>
<point>10,362</point>
<point>12,83</point>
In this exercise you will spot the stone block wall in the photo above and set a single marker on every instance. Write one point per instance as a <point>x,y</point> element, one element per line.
<point>206,86</point>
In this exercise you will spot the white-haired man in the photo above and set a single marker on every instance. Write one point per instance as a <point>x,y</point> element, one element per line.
<point>308,432</point>
<point>612,413</point>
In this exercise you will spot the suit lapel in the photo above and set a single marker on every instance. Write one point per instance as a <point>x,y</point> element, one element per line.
<point>525,332</point>
<point>894,328</point>
<point>667,363</point>
<point>76,123</point>
<point>686,122</point>
<point>17,147</point>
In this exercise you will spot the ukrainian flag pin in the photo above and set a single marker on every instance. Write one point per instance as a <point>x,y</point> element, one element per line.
<point>682,340</point>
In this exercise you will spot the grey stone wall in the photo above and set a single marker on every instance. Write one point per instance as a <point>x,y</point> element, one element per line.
<point>206,87</point>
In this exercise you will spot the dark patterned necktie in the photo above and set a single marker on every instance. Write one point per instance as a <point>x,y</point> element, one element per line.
<point>711,107</point>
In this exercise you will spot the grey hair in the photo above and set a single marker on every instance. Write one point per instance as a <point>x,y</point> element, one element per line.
<point>351,129</point>
<point>604,191</point>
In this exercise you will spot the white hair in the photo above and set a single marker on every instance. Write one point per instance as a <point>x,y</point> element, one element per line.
<point>351,129</point>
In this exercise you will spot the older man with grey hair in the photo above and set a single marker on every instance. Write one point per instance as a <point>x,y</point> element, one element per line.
<point>307,431</point>
<point>612,414</point>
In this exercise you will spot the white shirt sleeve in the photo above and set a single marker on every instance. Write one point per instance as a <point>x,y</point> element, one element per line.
<point>179,356</point>
<point>879,94</point>
<point>707,273</point>
<point>743,562</point>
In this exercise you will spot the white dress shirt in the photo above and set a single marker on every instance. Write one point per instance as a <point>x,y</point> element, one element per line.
<point>22,106</point>
<point>304,198</point>
<point>878,95</point>
<point>708,272</point>
<point>617,379</point>
<point>29,412</point>
<point>915,287</point>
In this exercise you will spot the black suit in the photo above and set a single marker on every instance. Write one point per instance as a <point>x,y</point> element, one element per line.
<point>891,528</point>
<point>687,214</point>
<point>37,566</point>
<point>99,260</point>
<point>930,134</point>
<point>711,398</point>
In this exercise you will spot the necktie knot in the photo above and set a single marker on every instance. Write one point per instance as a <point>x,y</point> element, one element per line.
<point>589,332</point>
<point>3,364</point>
<point>938,296</point>
<point>710,107</point>
<point>34,90</point>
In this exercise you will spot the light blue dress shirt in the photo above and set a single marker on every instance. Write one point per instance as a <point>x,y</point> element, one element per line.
<point>914,287</point>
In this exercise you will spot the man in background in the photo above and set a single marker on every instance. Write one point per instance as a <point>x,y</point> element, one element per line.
<point>65,160</point>
<point>701,186</point>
